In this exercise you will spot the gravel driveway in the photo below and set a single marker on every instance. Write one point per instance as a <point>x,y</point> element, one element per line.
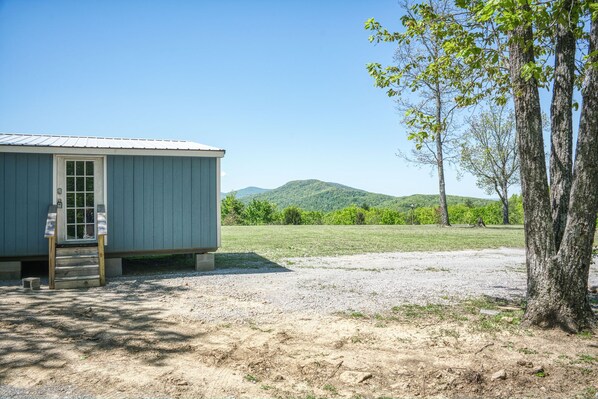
<point>215,334</point>
<point>323,285</point>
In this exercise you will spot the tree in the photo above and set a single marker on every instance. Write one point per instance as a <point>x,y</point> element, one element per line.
<point>291,215</point>
<point>489,152</point>
<point>423,67</point>
<point>259,212</point>
<point>231,210</point>
<point>560,218</point>
<point>559,249</point>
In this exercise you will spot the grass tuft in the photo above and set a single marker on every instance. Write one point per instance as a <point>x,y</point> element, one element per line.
<point>251,378</point>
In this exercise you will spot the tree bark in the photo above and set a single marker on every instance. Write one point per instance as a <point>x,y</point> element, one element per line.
<point>572,309</point>
<point>561,123</point>
<point>444,217</point>
<point>557,281</point>
<point>539,242</point>
<point>505,205</point>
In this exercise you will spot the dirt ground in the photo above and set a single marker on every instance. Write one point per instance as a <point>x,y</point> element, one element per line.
<point>159,336</point>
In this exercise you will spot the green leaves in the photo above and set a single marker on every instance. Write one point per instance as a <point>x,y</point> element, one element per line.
<point>426,67</point>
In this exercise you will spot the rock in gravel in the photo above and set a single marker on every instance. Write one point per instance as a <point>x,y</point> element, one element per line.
<point>524,363</point>
<point>355,377</point>
<point>400,385</point>
<point>499,375</point>
<point>537,369</point>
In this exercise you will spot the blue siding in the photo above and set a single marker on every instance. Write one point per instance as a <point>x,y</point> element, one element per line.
<point>161,203</point>
<point>25,194</point>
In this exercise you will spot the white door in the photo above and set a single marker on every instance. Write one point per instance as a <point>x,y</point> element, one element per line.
<point>80,188</point>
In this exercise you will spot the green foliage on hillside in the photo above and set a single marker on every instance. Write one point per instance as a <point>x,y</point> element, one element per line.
<point>247,191</point>
<point>316,195</point>
<point>259,212</point>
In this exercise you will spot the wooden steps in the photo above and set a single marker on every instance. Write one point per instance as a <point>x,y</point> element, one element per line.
<point>77,267</point>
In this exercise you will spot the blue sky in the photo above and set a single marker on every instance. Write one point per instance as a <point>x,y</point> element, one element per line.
<point>281,85</point>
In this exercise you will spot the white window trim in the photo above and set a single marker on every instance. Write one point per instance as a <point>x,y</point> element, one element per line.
<point>55,159</point>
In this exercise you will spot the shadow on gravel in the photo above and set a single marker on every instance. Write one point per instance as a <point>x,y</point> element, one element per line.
<point>35,326</point>
<point>514,291</point>
<point>164,266</point>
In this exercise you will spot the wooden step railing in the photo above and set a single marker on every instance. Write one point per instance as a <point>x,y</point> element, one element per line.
<point>50,234</point>
<point>102,232</point>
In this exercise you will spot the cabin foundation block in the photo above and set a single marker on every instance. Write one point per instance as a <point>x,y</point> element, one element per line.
<point>10,270</point>
<point>204,262</point>
<point>31,283</point>
<point>114,267</point>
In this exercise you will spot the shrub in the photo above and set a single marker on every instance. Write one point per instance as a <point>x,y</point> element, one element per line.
<point>231,210</point>
<point>291,215</point>
<point>259,212</point>
<point>344,216</point>
<point>312,217</point>
<point>384,216</point>
<point>425,215</point>
<point>516,209</point>
<point>360,217</point>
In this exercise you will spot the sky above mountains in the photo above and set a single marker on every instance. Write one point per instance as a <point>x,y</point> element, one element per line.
<point>281,85</point>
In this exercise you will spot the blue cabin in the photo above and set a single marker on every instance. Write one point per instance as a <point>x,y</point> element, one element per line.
<point>85,202</point>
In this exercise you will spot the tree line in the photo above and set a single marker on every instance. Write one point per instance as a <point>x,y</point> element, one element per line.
<point>261,212</point>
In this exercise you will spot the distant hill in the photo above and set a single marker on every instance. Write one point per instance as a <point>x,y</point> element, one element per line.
<point>316,195</point>
<point>247,191</point>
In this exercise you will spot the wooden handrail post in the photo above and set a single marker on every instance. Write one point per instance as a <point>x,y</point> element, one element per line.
<point>51,261</point>
<point>101,258</point>
<point>102,231</point>
<point>50,234</point>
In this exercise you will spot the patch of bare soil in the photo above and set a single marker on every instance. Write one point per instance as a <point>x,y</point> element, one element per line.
<point>148,339</point>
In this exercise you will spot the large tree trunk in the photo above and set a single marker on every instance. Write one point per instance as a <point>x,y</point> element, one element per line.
<point>539,242</point>
<point>557,281</point>
<point>444,217</point>
<point>561,123</point>
<point>575,253</point>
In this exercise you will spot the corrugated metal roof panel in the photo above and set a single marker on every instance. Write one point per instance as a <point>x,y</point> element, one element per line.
<point>44,140</point>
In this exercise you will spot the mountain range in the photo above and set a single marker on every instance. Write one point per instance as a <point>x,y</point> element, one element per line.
<point>316,195</point>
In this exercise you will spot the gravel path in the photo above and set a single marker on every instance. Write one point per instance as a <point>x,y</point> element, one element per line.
<point>371,283</point>
<point>367,283</point>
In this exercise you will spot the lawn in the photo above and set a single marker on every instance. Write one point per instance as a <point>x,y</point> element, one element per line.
<point>277,242</point>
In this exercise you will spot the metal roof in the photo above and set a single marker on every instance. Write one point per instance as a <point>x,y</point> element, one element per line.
<point>39,141</point>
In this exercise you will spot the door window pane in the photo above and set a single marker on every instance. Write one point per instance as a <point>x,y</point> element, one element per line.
<point>70,232</point>
<point>80,231</point>
<point>70,184</point>
<point>89,168</point>
<point>80,215</point>
<point>70,200</point>
<point>90,233</point>
<point>89,183</point>
<point>70,216</point>
<point>80,200</point>
<point>80,184</point>
<point>89,215</point>
<point>89,200</point>
<point>70,168</point>
<point>80,168</point>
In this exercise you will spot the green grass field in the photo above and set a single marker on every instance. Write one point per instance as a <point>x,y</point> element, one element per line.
<point>277,242</point>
